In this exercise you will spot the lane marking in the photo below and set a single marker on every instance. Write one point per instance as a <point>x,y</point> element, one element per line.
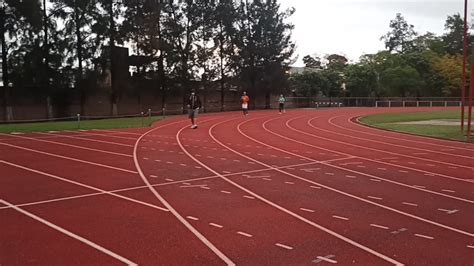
<point>340,217</point>
<point>402,171</point>
<point>289,183</point>
<point>69,233</point>
<point>201,237</point>
<point>351,176</point>
<point>379,226</point>
<point>88,139</point>
<point>410,204</point>
<point>153,176</point>
<point>315,187</point>
<point>83,185</point>
<point>216,225</point>
<point>448,211</point>
<point>192,218</point>
<point>226,192</point>
<point>248,197</point>
<point>183,164</point>
<point>244,234</point>
<point>469,246</point>
<point>74,146</point>
<point>70,158</point>
<point>283,246</point>
<point>329,173</point>
<point>418,186</point>
<point>375,180</point>
<point>424,236</point>
<point>326,259</point>
<point>372,197</point>
<point>306,210</point>
<point>447,190</point>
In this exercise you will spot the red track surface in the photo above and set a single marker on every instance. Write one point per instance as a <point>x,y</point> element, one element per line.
<point>307,187</point>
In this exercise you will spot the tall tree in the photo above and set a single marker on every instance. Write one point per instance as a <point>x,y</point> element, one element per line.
<point>267,47</point>
<point>400,38</point>
<point>453,38</point>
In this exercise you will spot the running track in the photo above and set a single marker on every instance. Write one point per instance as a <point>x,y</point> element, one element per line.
<point>309,187</point>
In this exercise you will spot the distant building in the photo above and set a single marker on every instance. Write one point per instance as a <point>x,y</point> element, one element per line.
<point>301,70</point>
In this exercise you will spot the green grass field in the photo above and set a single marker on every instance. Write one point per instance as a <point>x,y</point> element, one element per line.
<point>390,121</point>
<point>86,124</point>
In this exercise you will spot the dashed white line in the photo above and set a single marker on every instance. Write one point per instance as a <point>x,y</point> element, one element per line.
<point>379,226</point>
<point>326,259</point>
<point>153,176</point>
<point>182,164</point>
<point>418,186</point>
<point>329,173</point>
<point>169,179</point>
<point>410,204</point>
<point>226,172</point>
<point>249,197</point>
<point>423,236</point>
<point>350,176</point>
<point>226,192</point>
<point>244,234</point>
<point>169,162</point>
<point>340,217</point>
<point>447,190</point>
<point>289,183</point>
<point>192,218</point>
<point>306,210</point>
<point>267,179</point>
<point>197,167</point>
<point>157,160</point>
<point>144,158</point>
<point>372,197</point>
<point>216,225</point>
<point>237,161</point>
<point>283,246</point>
<point>469,246</point>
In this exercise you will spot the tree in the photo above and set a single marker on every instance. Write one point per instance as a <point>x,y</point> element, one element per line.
<point>449,68</point>
<point>361,80</point>
<point>336,62</point>
<point>312,62</point>
<point>453,38</point>
<point>266,46</point>
<point>400,38</point>
<point>401,81</point>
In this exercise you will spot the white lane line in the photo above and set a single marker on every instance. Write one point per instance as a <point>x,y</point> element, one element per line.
<point>418,186</point>
<point>216,225</point>
<point>226,192</point>
<point>200,236</point>
<point>197,167</point>
<point>350,176</point>
<point>145,158</point>
<point>70,158</point>
<point>248,197</point>
<point>283,246</point>
<point>204,187</point>
<point>326,259</point>
<point>158,161</point>
<point>244,234</point>
<point>315,187</point>
<point>424,236</point>
<point>169,163</point>
<point>340,217</point>
<point>237,161</point>
<point>379,226</point>
<point>183,164</point>
<point>448,211</point>
<point>469,246</point>
<point>383,169</point>
<point>88,139</point>
<point>17,133</point>
<point>329,173</point>
<point>447,190</point>
<point>70,234</point>
<point>153,176</point>
<point>192,218</point>
<point>169,179</point>
<point>267,179</point>
<point>410,204</point>
<point>375,180</point>
<point>76,146</point>
<point>372,197</point>
<point>226,172</point>
<point>289,183</point>
<point>306,210</point>
<point>84,185</point>
<point>361,166</point>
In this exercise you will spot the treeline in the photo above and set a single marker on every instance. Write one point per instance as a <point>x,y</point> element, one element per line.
<point>50,45</point>
<point>413,65</point>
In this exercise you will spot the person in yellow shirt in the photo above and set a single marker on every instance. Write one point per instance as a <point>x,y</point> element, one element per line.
<point>245,103</point>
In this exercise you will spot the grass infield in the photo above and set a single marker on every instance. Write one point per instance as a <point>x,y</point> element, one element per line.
<point>391,121</point>
<point>132,122</point>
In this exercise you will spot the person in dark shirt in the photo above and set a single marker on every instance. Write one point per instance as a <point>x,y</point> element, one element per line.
<point>194,104</point>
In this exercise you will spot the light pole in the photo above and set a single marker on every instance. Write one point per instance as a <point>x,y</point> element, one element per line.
<point>464,62</point>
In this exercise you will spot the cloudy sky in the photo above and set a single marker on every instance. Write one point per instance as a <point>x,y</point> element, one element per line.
<point>354,27</point>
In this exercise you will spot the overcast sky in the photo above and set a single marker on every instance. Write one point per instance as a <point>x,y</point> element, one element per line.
<point>354,27</point>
